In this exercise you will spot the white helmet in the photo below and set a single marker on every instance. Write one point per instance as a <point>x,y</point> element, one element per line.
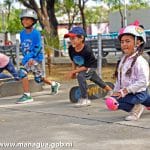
<point>133,30</point>
<point>28,13</point>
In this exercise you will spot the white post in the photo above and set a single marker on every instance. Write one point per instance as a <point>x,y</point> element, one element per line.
<point>99,58</point>
<point>43,62</point>
<point>125,13</point>
<point>17,54</point>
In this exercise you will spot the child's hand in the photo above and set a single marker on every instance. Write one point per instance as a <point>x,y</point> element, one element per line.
<point>121,93</point>
<point>117,94</point>
<point>30,63</point>
<point>71,75</point>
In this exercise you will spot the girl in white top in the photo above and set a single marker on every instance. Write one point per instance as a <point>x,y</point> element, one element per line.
<point>130,89</point>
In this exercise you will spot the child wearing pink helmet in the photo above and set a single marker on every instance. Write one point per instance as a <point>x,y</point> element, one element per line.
<point>132,78</point>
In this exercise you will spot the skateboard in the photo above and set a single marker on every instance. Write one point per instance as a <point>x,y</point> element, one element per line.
<point>94,92</point>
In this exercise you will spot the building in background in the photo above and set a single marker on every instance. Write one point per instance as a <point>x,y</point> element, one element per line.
<point>142,15</point>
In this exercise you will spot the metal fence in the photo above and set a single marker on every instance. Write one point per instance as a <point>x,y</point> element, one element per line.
<point>101,44</point>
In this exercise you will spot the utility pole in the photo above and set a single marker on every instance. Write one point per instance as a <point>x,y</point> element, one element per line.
<point>125,13</point>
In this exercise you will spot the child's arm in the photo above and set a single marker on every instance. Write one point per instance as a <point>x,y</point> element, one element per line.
<point>141,77</point>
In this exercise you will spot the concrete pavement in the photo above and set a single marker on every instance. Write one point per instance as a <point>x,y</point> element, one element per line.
<point>52,122</point>
<point>11,87</point>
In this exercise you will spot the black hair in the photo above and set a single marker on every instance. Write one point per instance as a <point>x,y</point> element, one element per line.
<point>141,26</point>
<point>81,36</point>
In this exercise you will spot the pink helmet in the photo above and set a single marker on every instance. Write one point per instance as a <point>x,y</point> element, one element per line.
<point>111,103</point>
<point>133,30</point>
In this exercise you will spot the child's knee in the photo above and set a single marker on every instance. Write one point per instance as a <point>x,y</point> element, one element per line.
<point>22,73</point>
<point>38,79</point>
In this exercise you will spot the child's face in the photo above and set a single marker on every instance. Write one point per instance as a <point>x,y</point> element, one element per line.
<point>76,41</point>
<point>127,44</point>
<point>27,22</point>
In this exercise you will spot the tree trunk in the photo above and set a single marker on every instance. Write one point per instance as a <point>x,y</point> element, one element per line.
<point>47,19</point>
<point>122,18</point>
<point>53,23</point>
<point>81,6</point>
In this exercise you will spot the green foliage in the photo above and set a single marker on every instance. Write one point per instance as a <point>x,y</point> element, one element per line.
<point>112,3</point>
<point>96,15</point>
<point>14,24</point>
<point>50,42</point>
<point>133,4</point>
<point>64,7</point>
<point>138,4</point>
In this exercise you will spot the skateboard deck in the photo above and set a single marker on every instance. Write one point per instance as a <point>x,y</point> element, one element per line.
<point>94,92</point>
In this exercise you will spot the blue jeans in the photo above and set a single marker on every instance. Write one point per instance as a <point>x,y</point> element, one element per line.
<point>88,75</point>
<point>126,103</point>
<point>11,69</point>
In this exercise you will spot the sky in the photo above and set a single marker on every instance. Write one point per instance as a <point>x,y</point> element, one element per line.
<point>90,3</point>
<point>17,5</point>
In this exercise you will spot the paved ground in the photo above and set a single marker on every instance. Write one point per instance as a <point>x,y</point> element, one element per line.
<point>52,122</point>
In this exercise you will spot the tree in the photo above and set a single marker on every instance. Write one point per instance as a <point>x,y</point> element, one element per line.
<point>116,4</point>
<point>70,9</point>
<point>96,15</point>
<point>14,25</point>
<point>138,4</point>
<point>8,4</point>
<point>73,8</point>
<point>120,6</point>
<point>81,5</point>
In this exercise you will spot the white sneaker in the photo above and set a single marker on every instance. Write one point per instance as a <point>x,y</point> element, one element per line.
<point>88,102</point>
<point>135,113</point>
<point>80,102</point>
<point>83,102</point>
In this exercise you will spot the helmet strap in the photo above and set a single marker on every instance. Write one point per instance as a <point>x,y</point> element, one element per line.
<point>30,27</point>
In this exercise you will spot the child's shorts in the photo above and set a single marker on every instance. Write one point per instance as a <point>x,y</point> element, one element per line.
<point>36,68</point>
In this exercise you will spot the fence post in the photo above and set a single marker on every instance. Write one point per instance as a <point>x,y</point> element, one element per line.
<point>17,54</point>
<point>43,62</point>
<point>99,58</point>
